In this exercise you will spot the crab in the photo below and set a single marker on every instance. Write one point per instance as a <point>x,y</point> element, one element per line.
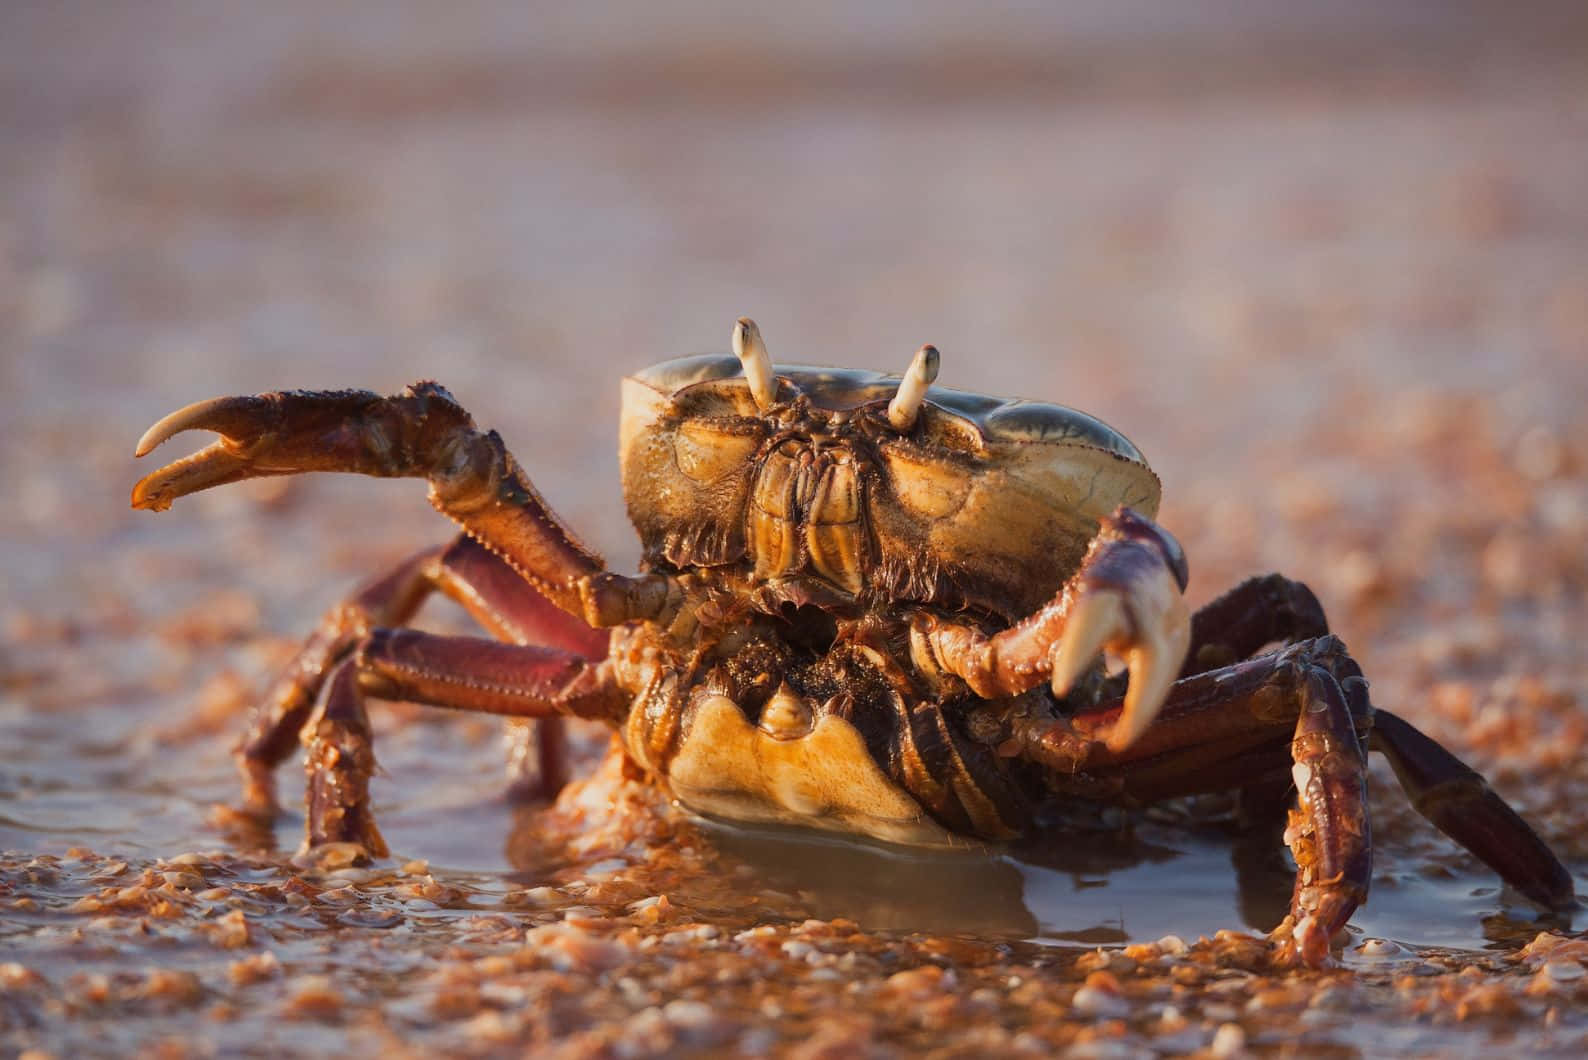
<point>867,604</point>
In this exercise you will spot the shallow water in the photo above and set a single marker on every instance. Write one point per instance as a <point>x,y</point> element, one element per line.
<point>1137,882</point>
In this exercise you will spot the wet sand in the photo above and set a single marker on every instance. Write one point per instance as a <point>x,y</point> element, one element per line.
<point>1330,276</point>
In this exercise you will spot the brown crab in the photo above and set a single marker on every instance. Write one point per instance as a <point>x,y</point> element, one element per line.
<point>867,606</point>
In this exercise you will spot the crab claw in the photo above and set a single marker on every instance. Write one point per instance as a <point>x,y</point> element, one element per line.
<point>413,433</point>
<point>228,460</point>
<point>223,415</point>
<point>1128,604</point>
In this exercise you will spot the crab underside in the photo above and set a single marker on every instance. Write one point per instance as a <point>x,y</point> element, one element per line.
<point>869,607</point>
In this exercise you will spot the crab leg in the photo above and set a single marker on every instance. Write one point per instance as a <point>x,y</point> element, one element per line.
<point>501,601</point>
<point>1125,598</point>
<point>1268,609</point>
<point>461,673</point>
<point>339,761</point>
<point>1328,831</point>
<point>420,433</point>
<point>1462,805</point>
<point>1227,727</point>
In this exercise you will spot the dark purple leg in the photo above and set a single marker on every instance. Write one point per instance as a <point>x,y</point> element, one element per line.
<point>1328,833</point>
<point>273,730</point>
<point>510,608</point>
<point>537,758</point>
<point>507,606</point>
<point>339,761</point>
<point>461,673</point>
<point>1463,806</point>
<point>1270,609</point>
<point>1228,727</point>
<point>489,590</point>
<point>485,676</point>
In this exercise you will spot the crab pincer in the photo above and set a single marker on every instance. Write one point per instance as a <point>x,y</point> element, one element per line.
<point>296,431</point>
<point>420,433</point>
<point>230,459</point>
<point>1127,601</point>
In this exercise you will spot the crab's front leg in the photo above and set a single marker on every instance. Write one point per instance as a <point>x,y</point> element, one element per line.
<point>489,590</point>
<point>420,433</point>
<point>1125,599</point>
<point>460,673</point>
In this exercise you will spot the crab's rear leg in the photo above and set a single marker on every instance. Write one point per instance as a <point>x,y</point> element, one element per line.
<point>1267,609</point>
<point>1461,804</point>
<point>461,673</point>
<point>497,598</point>
<point>1226,728</point>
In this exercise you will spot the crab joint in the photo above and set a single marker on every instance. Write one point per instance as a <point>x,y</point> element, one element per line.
<point>613,599</point>
<point>751,351</point>
<point>906,404</point>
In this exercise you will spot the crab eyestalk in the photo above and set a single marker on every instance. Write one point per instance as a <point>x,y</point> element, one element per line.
<point>906,403</point>
<point>751,351</point>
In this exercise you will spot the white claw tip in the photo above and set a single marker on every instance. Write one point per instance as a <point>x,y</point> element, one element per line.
<point>906,403</point>
<point>182,419</point>
<point>751,351</point>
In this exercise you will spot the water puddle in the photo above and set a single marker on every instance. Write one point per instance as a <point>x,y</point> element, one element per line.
<point>1075,888</point>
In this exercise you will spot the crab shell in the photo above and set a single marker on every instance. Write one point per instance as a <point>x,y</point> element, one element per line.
<point>984,502</point>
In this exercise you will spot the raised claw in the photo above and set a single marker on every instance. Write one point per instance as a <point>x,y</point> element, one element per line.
<point>214,465</point>
<point>420,433</point>
<point>295,431</point>
<point>238,420</point>
<point>223,415</point>
<point>1131,608</point>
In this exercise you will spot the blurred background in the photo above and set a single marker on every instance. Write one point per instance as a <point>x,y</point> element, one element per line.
<point>1199,223</point>
<point>1327,265</point>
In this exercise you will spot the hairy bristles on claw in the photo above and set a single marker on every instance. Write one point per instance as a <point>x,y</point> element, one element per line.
<point>751,351</point>
<point>906,404</point>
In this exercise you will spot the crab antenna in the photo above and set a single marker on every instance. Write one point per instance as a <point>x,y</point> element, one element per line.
<point>906,404</point>
<point>751,351</point>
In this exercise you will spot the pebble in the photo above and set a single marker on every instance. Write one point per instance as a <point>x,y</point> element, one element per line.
<point>14,976</point>
<point>313,997</point>
<point>1228,1041</point>
<point>1100,1004</point>
<point>1554,977</point>
<point>254,968</point>
<point>570,949</point>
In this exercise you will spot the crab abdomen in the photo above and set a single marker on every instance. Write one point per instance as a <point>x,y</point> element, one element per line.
<point>816,739</point>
